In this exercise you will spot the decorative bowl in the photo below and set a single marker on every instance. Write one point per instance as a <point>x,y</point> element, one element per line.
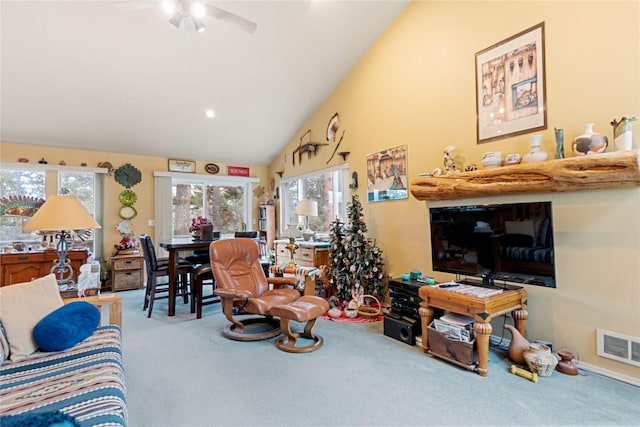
<point>492,159</point>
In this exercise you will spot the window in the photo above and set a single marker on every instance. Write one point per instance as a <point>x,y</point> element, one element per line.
<point>25,183</point>
<point>329,187</point>
<point>179,197</point>
<point>83,185</point>
<point>224,205</point>
<point>32,181</point>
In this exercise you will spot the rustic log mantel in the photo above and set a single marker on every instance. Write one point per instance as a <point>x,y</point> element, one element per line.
<point>608,170</point>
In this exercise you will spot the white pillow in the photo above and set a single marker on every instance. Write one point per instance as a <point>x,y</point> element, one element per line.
<point>22,306</point>
<point>520,227</point>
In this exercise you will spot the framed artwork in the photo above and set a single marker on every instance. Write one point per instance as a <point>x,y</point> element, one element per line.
<point>510,86</point>
<point>176,165</point>
<point>387,174</point>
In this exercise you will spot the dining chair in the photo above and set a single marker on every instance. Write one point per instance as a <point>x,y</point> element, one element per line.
<point>202,275</point>
<point>202,257</point>
<point>155,270</point>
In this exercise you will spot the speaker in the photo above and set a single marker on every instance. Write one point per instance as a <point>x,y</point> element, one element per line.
<point>402,329</point>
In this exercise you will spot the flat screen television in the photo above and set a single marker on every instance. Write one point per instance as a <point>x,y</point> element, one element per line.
<point>495,242</point>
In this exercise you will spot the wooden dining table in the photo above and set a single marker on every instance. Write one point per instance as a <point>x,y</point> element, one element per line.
<point>174,246</point>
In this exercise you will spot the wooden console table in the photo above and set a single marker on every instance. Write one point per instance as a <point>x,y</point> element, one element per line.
<point>481,309</point>
<point>19,267</point>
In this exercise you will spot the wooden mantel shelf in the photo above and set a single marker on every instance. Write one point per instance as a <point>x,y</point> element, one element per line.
<point>608,170</point>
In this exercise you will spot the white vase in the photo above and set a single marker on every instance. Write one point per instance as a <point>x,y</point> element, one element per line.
<point>535,155</point>
<point>589,142</point>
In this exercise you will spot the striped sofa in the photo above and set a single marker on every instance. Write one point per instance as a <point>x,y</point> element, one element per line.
<point>85,382</point>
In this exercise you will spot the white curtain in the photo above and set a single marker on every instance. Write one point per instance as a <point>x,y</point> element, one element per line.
<point>162,212</point>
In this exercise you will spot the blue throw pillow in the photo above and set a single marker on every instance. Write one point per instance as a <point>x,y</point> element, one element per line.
<point>39,419</point>
<point>66,326</point>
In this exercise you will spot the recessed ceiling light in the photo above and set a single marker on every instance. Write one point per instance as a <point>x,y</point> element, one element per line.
<point>210,114</point>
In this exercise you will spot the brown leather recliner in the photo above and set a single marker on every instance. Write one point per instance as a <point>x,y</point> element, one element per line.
<point>244,289</point>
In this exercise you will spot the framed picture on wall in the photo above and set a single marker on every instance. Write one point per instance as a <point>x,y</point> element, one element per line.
<point>387,174</point>
<point>176,165</point>
<point>510,86</point>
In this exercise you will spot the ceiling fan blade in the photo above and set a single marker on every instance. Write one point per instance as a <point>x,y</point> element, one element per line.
<point>242,23</point>
<point>134,4</point>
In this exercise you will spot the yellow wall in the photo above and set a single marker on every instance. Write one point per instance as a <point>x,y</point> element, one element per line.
<point>145,190</point>
<point>416,86</point>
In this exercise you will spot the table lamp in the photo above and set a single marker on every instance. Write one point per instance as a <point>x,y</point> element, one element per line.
<point>307,208</point>
<point>61,214</point>
<point>291,232</point>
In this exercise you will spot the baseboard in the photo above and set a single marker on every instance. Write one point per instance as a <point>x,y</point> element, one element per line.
<point>496,341</point>
<point>609,373</point>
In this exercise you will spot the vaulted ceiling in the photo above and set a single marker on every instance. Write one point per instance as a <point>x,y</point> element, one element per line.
<point>116,76</point>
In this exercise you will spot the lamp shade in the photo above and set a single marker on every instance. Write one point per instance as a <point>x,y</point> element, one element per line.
<point>307,208</point>
<point>61,213</point>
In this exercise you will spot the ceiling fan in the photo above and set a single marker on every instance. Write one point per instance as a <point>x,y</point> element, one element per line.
<point>194,11</point>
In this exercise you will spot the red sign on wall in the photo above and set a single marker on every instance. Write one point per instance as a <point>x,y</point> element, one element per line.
<point>237,171</point>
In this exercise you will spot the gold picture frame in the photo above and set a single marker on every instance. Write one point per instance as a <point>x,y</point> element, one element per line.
<point>511,86</point>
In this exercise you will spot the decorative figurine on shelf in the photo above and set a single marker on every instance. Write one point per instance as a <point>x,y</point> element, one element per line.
<point>559,143</point>
<point>449,160</point>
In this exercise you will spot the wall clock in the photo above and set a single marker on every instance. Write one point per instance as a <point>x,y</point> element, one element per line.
<point>128,175</point>
<point>127,212</point>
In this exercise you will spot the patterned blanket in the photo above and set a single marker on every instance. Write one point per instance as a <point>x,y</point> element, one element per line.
<point>85,382</point>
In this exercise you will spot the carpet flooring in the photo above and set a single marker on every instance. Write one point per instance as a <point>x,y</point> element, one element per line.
<point>181,371</point>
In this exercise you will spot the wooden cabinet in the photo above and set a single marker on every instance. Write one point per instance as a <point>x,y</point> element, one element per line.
<point>267,223</point>
<point>127,272</point>
<point>19,267</point>
<point>308,254</point>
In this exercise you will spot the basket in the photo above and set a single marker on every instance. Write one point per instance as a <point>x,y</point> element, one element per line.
<point>540,360</point>
<point>369,312</point>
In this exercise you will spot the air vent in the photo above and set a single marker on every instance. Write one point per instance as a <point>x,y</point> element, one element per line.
<point>622,348</point>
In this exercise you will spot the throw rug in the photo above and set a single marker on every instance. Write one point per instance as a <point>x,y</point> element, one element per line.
<point>346,319</point>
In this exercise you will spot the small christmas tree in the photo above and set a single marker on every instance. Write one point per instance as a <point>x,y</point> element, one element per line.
<point>353,257</point>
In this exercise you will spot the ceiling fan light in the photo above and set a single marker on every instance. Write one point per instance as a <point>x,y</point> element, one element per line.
<point>169,7</point>
<point>200,27</point>
<point>176,19</point>
<point>197,9</point>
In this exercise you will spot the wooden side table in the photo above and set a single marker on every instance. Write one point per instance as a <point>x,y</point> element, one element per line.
<point>482,309</point>
<point>112,300</point>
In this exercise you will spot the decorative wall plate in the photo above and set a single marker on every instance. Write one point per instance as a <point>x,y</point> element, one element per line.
<point>125,227</point>
<point>332,128</point>
<point>128,198</point>
<point>128,212</point>
<point>212,168</point>
<point>128,175</point>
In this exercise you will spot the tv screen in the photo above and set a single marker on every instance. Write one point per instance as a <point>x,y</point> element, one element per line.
<point>505,242</point>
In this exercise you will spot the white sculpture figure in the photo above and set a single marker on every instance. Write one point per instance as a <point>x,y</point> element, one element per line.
<point>88,278</point>
<point>357,295</point>
<point>449,161</point>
